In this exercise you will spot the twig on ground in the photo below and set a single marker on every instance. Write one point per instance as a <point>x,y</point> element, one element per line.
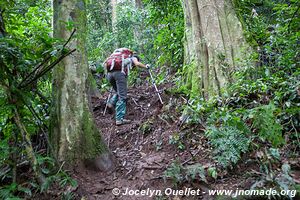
<point>60,168</point>
<point>164,121</point>
<point>137,140</point>
<point>153,167</point>
<point>256,172</point>
<point>138,106</point>
<point>132,169</point>
<point>108,139</point>
<point>157,177</point>
<point>192,156</point>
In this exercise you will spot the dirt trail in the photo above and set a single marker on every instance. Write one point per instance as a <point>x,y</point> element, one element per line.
<point>140,165</point>
<point>142,148</point>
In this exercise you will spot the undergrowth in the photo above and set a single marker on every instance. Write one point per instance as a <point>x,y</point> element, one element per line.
<point>260,110</point>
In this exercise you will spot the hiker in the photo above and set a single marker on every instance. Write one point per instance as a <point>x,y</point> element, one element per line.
<point>118,66</point>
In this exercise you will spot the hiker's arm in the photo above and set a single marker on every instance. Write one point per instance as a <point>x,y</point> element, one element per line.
<point>137,63</point>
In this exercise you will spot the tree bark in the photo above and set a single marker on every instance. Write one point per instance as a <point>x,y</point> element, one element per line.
<point>197,83</point>
<point>114,15</point>
<point>189,49</point>
<point>138,28</point>
<point>214,48</point>
<point>74,134</point>
<point>114,20</point>
<point>138,4</point>
<point>2,26</point>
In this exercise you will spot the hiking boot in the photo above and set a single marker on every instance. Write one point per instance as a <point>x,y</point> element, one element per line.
<point>110,108</point>
<point>124,121</point>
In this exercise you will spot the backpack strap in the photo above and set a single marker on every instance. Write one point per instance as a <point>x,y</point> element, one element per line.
<point>129,66</point>
<point>112,65</point>
<point>122,69</point>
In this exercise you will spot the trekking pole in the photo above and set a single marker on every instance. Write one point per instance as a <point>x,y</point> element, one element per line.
<point>110,92</point>
<point>153,83</point>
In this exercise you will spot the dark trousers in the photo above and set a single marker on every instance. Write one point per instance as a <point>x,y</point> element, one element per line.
<point>118,80</point>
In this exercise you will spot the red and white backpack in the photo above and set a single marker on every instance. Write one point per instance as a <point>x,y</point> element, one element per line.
<point>115,61</point>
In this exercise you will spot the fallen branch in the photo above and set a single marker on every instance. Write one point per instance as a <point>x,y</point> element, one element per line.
<point>157,177</point>
<point>153,167</point>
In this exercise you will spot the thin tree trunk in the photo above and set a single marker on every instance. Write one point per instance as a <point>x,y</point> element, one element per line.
<point>138,4</point>
<point>28,148</point>
<point>138,28</point>
<point>74,134</point>
<point>14,159</point>
<point>2,26</point>
<point>114,19</point>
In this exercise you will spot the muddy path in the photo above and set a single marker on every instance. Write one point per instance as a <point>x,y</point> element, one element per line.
<point>144,149</point>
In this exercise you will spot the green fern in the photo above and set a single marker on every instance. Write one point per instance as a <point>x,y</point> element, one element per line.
<point>195,171</point>
<point>229,143</point>
<point>174,172</point>
<point>7,192</point>
<point>179,174</point>
<point>269,129</point>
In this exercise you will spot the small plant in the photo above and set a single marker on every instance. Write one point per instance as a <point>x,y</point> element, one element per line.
<point>195,171</point>
<point>176,140</point>
<point>190,114</point>
<point>228,143</point>
<point>63,180</point>
<point>146,127</point>
<point>179,174</point>
<point>68,196</point>
<point>212,172</point>
<point>175,173</point>
<point>265,121</point>
<point>10,191</point>
<point>158,145</point>
<point>279,179</point>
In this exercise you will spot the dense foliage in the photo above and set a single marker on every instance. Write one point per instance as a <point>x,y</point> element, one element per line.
<point>28,52</point>
<point>260,110</point>
<point>259,113</point>
<point>154,31</point>
<point>168,19</point>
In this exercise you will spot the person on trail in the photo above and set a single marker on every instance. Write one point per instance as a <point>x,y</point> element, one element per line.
<point>118,66</point>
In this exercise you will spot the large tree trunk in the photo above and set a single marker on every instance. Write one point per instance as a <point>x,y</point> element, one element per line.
<point>74,134</point>
<point>213,43</point>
